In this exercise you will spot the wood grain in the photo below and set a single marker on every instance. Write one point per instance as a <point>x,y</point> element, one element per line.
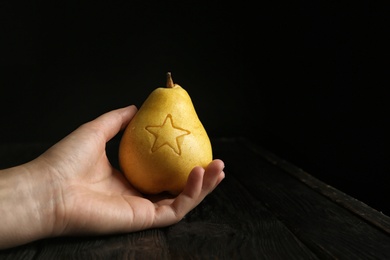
<point>265,208</point>
<point>329,229</point>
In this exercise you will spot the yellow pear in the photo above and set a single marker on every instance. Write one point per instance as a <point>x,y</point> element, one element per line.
<point>163,142</point>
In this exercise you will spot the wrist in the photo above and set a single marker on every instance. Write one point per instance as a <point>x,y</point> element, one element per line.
<point>26,204</point>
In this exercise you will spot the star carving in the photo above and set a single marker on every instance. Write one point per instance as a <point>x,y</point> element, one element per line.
<point>167,134</point>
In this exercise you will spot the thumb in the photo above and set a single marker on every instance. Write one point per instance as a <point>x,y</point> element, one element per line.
<point>110,123</point>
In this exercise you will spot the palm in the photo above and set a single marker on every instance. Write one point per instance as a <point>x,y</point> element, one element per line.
<point>73,189</point>
<point>93,192</point>
<point>95,198</point>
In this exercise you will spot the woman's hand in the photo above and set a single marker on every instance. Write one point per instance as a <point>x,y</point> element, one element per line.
<point>73,189</point>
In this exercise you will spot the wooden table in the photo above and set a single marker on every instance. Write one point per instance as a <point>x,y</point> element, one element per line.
<point>266,208</point>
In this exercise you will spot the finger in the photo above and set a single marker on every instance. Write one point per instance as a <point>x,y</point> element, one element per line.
<point>199,184</point>
<point>213,175</point>
<point>191,195</point>
<point>184,202</point>
<point>110,123</point>
<point>194,184</point>
<point>220,178</point>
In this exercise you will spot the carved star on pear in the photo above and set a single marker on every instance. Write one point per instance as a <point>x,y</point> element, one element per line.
<point>167,134</point>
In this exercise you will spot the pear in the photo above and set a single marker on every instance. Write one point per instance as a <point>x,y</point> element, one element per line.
<point>163,142</point>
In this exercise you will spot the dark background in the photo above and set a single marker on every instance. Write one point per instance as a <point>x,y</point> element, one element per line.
<point>305,80</point>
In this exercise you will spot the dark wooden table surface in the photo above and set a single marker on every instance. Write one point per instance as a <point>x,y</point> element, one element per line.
<point>266,208</point>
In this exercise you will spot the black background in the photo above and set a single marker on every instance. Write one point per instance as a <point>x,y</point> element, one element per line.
<point>306,80</point>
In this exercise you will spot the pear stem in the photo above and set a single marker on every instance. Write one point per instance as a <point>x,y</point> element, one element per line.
<point>170,83</point>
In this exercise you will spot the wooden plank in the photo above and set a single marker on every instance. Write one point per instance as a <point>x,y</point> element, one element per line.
<point>25,252</point>
<point>149,244</point>
<point>330,230</point>
<point>231,224</point>
<point>265,208</point>
<point>361,209</point>
<point>228,224</point>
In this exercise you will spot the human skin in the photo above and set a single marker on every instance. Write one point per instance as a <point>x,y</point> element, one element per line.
<point>72,189</point>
